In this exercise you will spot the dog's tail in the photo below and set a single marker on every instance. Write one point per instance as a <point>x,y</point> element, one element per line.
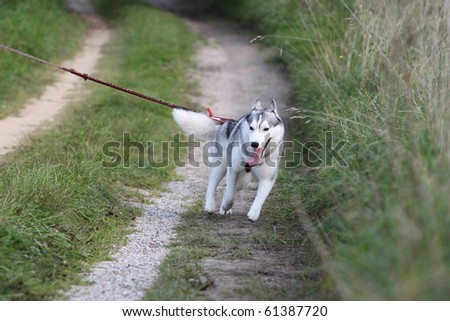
<point>203,127</point>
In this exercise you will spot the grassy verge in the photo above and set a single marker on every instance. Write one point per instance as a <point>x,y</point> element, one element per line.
<point>60,209</point>
<point>372,74</point>
<point>21,27</point>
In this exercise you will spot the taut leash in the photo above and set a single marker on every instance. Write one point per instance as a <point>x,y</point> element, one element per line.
<point>114,86</point>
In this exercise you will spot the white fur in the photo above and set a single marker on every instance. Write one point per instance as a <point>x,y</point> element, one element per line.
<point>203,127</point>
<point>243,133</point>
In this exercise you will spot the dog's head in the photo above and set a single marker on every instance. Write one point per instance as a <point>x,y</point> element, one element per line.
<point>264,129</point>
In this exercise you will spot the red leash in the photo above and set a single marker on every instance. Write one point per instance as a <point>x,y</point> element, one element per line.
<point>217,118</point>
<point>114,86</point>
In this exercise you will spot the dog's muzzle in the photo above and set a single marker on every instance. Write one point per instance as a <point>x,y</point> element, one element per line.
<point>256,157</point>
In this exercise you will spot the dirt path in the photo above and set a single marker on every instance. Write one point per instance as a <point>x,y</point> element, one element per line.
<point>231,73</point>
<point>37,112</point>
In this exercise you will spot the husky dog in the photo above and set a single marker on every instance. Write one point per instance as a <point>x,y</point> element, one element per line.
<point>250,146</point>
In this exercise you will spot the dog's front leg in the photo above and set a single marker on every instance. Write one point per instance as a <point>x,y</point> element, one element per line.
<point>215,176</point>
<point>264,188</point>
<point>228,197</point>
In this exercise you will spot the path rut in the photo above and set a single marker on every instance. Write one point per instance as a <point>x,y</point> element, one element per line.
<point>39,111</point>
<point>231,74</point>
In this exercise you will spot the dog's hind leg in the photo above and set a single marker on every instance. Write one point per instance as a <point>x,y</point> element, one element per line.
<point>243,180</point>
<point>264,188</point>
<point>215,176</point>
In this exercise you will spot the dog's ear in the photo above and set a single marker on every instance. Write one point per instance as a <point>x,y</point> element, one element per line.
<point>273,106</point>
<point>257,104</point>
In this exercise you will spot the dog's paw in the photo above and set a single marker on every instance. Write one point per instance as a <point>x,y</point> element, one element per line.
<point>253,215</point>
<point>225,212</point>
<point>210,207</point>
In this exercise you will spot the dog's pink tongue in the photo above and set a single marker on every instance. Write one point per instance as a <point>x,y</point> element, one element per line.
<point>255,157</point>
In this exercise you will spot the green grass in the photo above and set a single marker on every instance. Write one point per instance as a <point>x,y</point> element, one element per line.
<point>373,76</point>
<point>60,209</point>
<point>21,27</point>
<point>181,275</point>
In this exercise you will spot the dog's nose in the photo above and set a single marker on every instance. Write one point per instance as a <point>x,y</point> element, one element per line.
<point>254,144</point>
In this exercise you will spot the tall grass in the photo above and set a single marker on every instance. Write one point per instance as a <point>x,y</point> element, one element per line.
<point>386,92</point>
<point>376,75</point>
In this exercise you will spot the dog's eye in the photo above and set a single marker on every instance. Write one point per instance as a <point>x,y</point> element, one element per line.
<point>266,129</point>
<point>251,128</point>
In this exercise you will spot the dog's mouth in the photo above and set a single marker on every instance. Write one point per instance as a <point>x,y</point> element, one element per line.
<point>257,155</point>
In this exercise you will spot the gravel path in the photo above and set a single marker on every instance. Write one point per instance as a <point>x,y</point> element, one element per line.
<point>134,267</point>
<point>231,73</point>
